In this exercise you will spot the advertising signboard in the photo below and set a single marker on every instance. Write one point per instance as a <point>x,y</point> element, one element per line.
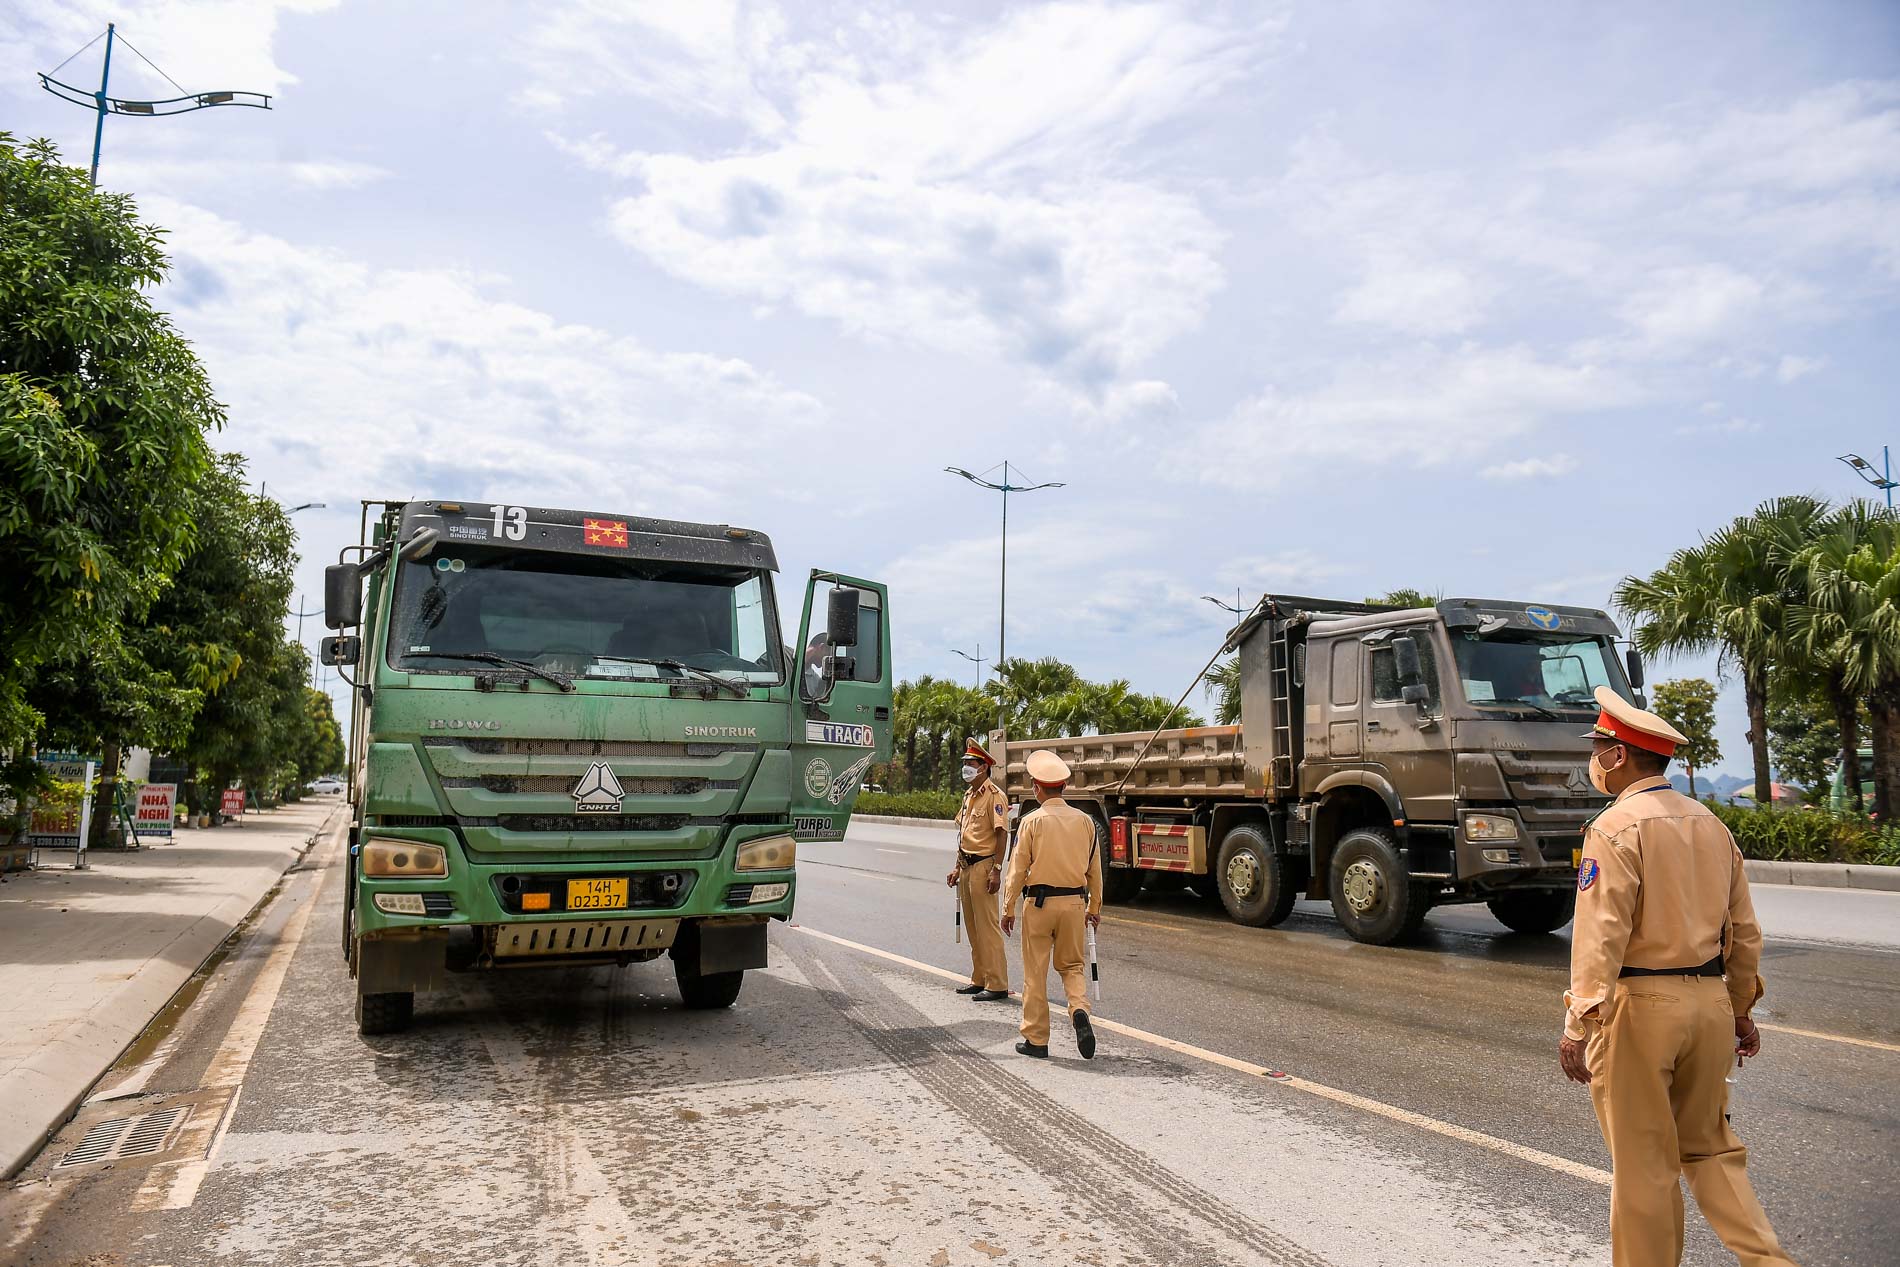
<point>233,803</point>
<point>65,828</point>
<point>155,810</point>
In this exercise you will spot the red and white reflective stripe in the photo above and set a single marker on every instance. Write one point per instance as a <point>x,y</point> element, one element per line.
<point>1155,864</point>
<point>1161,829</point>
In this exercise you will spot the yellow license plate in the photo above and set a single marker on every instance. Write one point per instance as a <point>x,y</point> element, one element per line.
<point>1576,859</point>
<point>596,895</point>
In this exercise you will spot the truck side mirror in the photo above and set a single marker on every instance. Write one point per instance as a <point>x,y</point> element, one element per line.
<point>342,596</point>
<point>1633,663</point>
<point>844,668</point>
<point>1411,671</point>
<point>337,652</point>
<point>421,545</point>
<point>841,617</point>
<point>1416,693</point>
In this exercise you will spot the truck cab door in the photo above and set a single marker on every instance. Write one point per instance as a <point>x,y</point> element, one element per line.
<point>843,700</point>
<point>1407,736</point>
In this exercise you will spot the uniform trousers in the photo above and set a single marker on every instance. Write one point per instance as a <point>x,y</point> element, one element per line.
<point>1657,1071</point>
<point>983,925</point>
<point>1055,930</point>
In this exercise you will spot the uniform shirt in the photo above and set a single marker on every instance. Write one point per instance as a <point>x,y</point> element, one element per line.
<point>1056,846</point>
<point>1661,882</point>
<point>983,822</point>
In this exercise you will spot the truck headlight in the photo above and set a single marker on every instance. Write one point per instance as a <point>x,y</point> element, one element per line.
<point>769,853</point>
<point>1490,827</point>
<point>403,859</point>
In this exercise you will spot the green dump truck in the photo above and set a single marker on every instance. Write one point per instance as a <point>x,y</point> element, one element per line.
<point>580,738</point>
<point>1387,759</point>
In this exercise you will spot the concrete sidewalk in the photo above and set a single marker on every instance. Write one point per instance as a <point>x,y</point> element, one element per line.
<point>88,958</point>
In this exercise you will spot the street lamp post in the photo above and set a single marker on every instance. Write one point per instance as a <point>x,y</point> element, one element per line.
<point>1881,479</point>
<point>300,615</point>
<point>976,659</point>
<point>103,103</point>
<point>1002,596</point>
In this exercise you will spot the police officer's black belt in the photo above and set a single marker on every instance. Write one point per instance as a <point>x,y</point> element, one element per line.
<point>1713,968</point>
<point>971,859</point>
<point>1041,892</point>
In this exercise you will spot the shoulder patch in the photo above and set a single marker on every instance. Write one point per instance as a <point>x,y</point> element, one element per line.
<point>1587,874</point>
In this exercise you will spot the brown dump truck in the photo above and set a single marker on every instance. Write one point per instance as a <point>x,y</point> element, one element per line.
<point>1388,759</point>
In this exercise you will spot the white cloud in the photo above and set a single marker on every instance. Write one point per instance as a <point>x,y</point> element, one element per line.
<point>1531,468</point>
<point>960,191</point>
<point>1793,367</point>
<point>1727,427</point>
<point>1693,305</point>
<point>1425,407</point>
<point>401,381</point>
<point>200,43</point>
<point>1415,298</point>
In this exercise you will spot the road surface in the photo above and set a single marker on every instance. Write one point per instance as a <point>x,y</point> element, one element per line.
<point>1280,1096</point>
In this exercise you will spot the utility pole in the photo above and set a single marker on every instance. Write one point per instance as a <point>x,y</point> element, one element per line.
<point>103,103</point>
<point>1002,596</point>
<point>976,659</point>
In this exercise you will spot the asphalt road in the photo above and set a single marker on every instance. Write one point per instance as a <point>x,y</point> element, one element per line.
<point>1279,1096</point>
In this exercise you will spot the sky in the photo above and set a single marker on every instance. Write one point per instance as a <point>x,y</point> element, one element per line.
<point>1490,300</point>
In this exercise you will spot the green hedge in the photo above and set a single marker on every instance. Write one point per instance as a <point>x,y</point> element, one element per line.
<point>909,804</point>
<point>1809,835</point>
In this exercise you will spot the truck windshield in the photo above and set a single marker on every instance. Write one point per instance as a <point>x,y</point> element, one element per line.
<point>1545,674</point>
<point>583,616</point>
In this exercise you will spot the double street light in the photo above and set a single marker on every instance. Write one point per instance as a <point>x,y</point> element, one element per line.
<point>976,659</point>
<point>1881,479</point>
<point>1002,600</point>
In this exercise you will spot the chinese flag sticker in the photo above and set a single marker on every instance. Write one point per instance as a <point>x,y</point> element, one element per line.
<point>606,532</point>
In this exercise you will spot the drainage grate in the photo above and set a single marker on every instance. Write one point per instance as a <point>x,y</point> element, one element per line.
<point>122,1137</point>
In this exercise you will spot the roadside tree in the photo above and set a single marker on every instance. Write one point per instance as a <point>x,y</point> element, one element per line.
<point>103,415</point>
<point>1688,704</point>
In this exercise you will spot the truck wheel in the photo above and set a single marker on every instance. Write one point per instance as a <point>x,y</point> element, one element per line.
<point>1252,878</point>
<point>1120,884</point>
<point>706,991</point>
<point>1535,910</point>
<point>1374,897</point>
<point>385,1013</point>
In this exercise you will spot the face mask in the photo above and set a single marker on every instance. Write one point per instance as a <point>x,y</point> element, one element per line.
<point>971,773</point>
<point>1600,773</point>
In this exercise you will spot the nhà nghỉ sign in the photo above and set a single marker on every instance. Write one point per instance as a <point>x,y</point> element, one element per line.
<point>155,809</point>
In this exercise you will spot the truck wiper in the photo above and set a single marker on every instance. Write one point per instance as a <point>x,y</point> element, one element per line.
<point>489,657</point>
<point>665,662</point>
<point>1547,712</point>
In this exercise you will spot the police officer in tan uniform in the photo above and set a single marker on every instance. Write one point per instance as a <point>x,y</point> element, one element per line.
<point>1663,963</point>
<point>982,834</point>
<point>1057,868</point>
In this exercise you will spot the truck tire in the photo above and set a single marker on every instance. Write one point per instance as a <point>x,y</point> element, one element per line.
<point>1252,878</point>
<point>1121,884</point>
<point>707,991</point>
<point>1374,897</point>
<point>385,1013</point>
<point>1534,910</point>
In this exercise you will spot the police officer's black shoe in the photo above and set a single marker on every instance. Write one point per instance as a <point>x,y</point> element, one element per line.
<point>1039,1050</point>
<point>970,989</point>
<point>991,996</point>
<point>1084,1036</point>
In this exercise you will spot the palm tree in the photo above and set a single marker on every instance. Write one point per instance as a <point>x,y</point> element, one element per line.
<point>1223,680</point>
<point>1852,620</point>
<point>1732,595</point>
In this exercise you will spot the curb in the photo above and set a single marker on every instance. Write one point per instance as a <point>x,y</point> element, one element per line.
<point>1824,875</point>
<point>897,821</point>
<point>43,1093</point>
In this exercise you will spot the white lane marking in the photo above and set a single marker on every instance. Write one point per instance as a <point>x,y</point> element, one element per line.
<point>1451,1130</point>
<point>176,1187</point>
<point>882,849</point>
<point>1874,1043</point>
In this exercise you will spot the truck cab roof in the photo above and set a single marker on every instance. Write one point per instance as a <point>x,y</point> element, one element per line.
<point>604,533</point>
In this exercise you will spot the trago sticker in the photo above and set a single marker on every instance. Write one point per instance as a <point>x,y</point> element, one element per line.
<point>1587,874</point>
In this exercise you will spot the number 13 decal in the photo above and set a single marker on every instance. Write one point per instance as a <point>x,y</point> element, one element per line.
<point>516,526</point>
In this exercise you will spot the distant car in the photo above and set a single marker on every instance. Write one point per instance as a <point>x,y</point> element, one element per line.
<point>328,785</point>
<point>870,787</point>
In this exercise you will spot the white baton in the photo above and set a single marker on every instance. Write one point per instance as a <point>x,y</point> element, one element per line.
<point>1095,969</point>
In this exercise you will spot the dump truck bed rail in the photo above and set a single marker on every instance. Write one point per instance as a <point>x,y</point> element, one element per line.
<point>1195,761</point>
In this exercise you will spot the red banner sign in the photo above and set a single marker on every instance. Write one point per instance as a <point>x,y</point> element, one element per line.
<point>233,802</point>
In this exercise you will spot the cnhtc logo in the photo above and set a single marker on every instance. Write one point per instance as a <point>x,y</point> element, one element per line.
<point>598,792</point>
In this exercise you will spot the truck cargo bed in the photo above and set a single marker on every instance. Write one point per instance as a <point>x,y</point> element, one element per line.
<point>1196,761</point>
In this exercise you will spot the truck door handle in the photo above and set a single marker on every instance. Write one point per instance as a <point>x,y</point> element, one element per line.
<point>1372,725</point>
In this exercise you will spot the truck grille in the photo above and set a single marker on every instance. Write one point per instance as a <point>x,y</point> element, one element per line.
<point>656,751</point>
<point>562,784</point>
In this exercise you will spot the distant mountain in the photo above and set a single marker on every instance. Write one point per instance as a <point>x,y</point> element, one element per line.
<point>1720,786</point>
